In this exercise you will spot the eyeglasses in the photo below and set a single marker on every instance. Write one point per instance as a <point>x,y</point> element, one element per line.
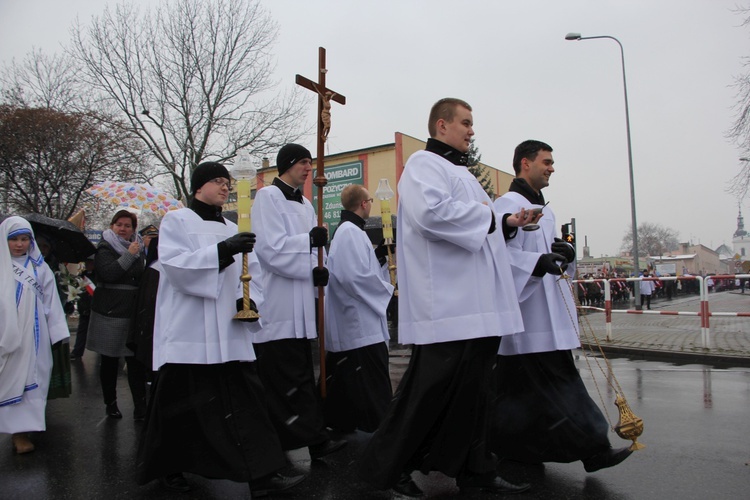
<point>221,181</point>
<point>369,199</point>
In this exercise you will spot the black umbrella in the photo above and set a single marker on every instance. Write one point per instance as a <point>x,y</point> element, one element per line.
<point>69,244</point>
<point>374,229</point>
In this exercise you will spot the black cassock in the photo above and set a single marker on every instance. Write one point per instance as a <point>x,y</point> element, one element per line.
<point>439,417</point>
<point>209,420</point>
<point>358,388</point>
<point>543,412</point>
<point>286,369</point>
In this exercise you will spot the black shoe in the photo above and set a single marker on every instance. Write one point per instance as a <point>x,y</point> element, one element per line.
<point>407,487</point>
<point>490,483</point>
<point>175,482</point>
<point>113,411</point>
<point>326,448</point>
<point>608,458</point>
<point>274,483</point>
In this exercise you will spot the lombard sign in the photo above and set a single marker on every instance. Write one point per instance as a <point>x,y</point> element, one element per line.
<point>338,177</point>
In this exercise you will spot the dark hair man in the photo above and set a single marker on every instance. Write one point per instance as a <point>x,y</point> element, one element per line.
<point>289,240</point>
<point>537,376</point>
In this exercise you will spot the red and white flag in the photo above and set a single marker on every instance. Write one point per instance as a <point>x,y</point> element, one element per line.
<point>89,285</point>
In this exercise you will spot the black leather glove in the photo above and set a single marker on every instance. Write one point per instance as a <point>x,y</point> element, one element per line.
<point>320,276</point>
<point>381,251</point>
<point>239,243</point>
<point>318,237</point>
<point>552,263</point>
<point>253,307</point>
<point>565,249</point>
<point>241,305</point>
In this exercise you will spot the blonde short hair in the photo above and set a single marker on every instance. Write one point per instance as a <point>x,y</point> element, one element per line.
<point>352,196</point>
<point>444,109</point>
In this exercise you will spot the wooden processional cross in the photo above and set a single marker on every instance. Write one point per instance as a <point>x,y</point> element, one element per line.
<point>325,96</point>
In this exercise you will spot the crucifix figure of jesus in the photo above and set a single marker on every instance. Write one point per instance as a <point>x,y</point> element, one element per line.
<point>325,96</point>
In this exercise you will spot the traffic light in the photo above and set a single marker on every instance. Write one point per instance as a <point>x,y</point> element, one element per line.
<point>567,235</point>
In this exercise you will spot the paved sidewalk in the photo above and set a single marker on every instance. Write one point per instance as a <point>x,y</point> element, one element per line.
<point>653,336</point>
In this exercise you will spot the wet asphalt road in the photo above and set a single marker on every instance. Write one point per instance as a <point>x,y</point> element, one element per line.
<point>697,438</point>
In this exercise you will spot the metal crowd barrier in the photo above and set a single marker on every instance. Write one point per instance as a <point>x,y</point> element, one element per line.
<point>704,312</point>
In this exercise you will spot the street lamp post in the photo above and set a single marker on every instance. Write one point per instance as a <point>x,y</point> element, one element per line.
<point>636,265</point>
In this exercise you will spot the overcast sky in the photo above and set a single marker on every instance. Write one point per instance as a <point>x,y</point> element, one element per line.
<point>393,59</point>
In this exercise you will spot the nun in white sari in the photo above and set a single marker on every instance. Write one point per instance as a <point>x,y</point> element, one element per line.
<point>31,320</point>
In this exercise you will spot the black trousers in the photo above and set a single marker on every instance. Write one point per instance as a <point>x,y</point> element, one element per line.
<point>646,299</point>
<point>136,378</point>
<point>81,334</point>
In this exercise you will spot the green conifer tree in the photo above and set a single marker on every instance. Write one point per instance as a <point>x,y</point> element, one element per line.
<point>479,171</point>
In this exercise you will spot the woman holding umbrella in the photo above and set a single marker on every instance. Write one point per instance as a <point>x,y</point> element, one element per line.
<point>31,320</point>
<point>119,265</point>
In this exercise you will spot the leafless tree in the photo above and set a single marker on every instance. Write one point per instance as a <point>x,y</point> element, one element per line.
<point>740,130</point>
<point>653,239</point>
<point>191,79</point>
<point>48,158</point>
<point>41,81</point>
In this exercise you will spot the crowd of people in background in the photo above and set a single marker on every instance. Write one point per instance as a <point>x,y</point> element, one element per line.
<point>591,293</point>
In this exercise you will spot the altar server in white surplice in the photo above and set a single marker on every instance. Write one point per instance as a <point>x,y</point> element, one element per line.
<point>357,378</point>
<point>32,320</point>
<point>543,411</point>
<point>208,412</point>
<point>456,299</point>
<point>289,240</point>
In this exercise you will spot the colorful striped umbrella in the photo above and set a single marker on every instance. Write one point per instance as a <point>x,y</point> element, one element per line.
<point>143,197</point>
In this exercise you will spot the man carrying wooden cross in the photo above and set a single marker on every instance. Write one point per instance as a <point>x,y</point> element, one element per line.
<point>288,241</point>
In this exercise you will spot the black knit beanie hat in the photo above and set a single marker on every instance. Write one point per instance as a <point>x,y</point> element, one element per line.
<point>289,155</point>
<point>205,172</point>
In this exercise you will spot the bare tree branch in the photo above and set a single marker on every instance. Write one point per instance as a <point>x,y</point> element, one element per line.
<point>48,158</point>
<point>191,80</point>
<point>653,239</point>
<point>740,130</point>
<point>40,81</point>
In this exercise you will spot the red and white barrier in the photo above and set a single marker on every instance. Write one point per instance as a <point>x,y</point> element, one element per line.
<point>705,312</point>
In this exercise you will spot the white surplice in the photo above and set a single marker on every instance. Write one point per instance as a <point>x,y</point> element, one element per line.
<point>549,311</point>
<point>282,228</point>
<point>195,302</point>
<point>454,278</point>
<point>357,295</point>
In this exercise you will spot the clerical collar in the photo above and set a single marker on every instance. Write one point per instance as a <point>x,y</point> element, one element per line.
<point>450,153</point>
<point>347,216</point>
<point>522,187</point>
<point>206,212</point>
<point>288,191</point>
